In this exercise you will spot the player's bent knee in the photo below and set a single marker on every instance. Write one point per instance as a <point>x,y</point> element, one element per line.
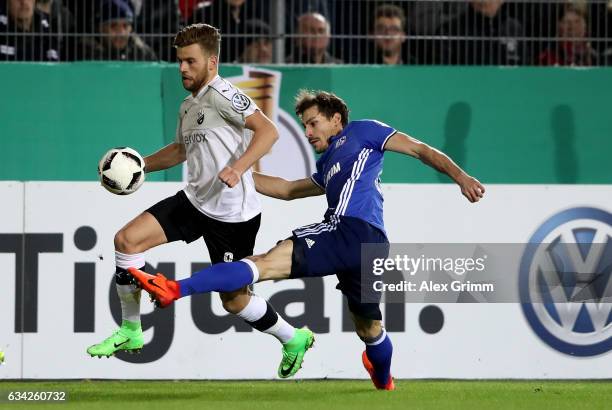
<point>233,306</point>
<point>124,243</point>
<point>235,302</point>
<point>120,241</point>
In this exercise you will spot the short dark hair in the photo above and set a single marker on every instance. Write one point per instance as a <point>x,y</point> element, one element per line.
<point>208,37</point>
<point>390,11</point>
<point>327,103</point>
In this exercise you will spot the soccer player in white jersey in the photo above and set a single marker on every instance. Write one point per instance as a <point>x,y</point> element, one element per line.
<point>219,202</point>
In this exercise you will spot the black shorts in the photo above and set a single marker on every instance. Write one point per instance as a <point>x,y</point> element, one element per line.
<point>226,241</point>
<point>333,247</point>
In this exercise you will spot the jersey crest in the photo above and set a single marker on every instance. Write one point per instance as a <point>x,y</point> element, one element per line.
<point>240,102</point>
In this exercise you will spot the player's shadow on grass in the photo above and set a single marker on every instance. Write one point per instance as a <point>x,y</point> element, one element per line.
<point>456,131</point>
<point>564,138</point>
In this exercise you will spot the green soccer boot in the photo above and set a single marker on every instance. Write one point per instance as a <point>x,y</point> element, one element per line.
<point>294,351</point>
<point>128,337</point>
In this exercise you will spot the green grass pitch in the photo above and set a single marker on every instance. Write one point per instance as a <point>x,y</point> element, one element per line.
<point>318,394</point>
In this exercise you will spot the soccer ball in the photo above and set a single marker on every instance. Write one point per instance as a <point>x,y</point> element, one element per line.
<point>121,170</point>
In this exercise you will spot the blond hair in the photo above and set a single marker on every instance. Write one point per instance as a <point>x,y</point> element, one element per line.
<point>208,37</point>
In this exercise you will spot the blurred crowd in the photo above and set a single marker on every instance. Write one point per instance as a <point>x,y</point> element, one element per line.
<point>470,32</point>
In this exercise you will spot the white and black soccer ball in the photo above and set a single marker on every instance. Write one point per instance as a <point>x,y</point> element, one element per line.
<point>121,170</point>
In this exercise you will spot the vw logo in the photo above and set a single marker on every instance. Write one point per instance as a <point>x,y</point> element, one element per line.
<point>240,102</point>
<point>564,282</point>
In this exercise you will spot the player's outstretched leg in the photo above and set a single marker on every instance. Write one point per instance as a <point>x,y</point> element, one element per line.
<point>222,277</point>
<point>129,336</point>
<point>377,360</point>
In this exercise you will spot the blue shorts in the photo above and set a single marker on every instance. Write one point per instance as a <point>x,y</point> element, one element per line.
<point>333,247</point>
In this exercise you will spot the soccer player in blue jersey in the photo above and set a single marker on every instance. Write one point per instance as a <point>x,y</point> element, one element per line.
<point>348,174</point>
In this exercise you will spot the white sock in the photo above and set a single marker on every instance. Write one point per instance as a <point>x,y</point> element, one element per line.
<point>129,295</point>
<point>262,316</point>
<point>282,330</point>
<point>130,302</point>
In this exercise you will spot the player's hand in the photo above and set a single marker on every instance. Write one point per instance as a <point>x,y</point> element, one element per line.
<point>229,176</point>
<point>471,188</point>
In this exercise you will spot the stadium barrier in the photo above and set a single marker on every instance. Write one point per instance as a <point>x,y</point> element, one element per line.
<point>57,295</point>
<point>422,32</point>
<point>519,125</point>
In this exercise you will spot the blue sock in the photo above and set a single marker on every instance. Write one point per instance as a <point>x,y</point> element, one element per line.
<point>379,352</point>
<point>222,277</point>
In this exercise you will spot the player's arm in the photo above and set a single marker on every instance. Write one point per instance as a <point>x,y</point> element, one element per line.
<point>280,188</point>
<point>405,144</point>
<point>265,135</point>
<point>167,157</point>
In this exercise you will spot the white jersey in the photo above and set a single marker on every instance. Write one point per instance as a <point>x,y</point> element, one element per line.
<point>211,127</point>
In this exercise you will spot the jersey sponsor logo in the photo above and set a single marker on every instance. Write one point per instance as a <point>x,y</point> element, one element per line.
<point>228,257</point>
<point>200,119</point>
<point>240,102</point>
<point>333,171</point>
<point>193,138</point>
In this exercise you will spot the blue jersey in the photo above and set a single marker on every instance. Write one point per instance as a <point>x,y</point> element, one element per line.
<point>349,171</point>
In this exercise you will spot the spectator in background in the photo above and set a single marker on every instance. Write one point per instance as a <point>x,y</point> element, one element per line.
<point>600,23</point>
<point>157,22</point>
<point>186,9</point>
<point>495,33</point>
<point>311,45</point>
<point>230,17</point>
<point>60,17</point>
<point>83,12</point>
<point>62,21</point>
<point>115,41</point>
<point>424,18</point>
<point>258,45</point>
<point>389,46</point>
<point>294,9</point>
<point>607,49</point>
<point>571,48</point>
<point>21,17</point>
